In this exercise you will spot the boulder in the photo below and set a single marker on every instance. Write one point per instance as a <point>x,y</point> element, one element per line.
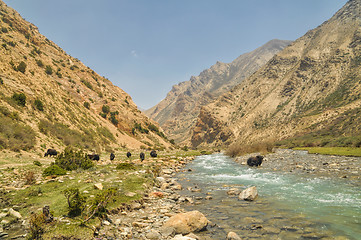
<point>98,186</point>
<point>14,213</point>
<point>233,236</point>
<point>181,237</point>
<point>233,191</point>
<point>153,234</point>
<point>248,194</point>
<point>188,222</point>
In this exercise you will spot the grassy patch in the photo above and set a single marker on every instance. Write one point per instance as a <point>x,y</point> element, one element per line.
<point>340,151</point>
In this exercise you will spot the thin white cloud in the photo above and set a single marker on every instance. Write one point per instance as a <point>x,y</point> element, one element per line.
<point>134,54</point>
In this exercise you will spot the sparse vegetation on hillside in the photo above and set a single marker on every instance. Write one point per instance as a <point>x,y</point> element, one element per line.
<point>19,98</point>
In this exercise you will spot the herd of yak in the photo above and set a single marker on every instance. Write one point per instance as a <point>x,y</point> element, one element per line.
<point>53,152</point>
<point>252,161</point>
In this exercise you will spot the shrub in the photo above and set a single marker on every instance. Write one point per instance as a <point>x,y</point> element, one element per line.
<point>21,67</point>
<point>39,63</point>
<point>54,170</point>
<point>29,178</point>
<point>87,105</point>
<point>48,70</point>
<point>36,226</point>
<point>105,109</point>
<point>76,202</point>
<point>87,84</point>
<point>100,202</point>
<point>125,166</point>
<point>37,163</point>
<point>39,105</point>
<point>72,160</point>
<point>1,81</point>
<point>20,99</point>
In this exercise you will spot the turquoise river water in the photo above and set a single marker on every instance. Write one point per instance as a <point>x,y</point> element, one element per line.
<point>289,206</point>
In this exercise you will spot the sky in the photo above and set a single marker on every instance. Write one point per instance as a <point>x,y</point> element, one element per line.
<point>146,46</point>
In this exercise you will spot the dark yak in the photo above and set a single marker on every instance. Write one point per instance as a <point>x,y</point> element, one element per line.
<point>93,157</point>
<point>112,156</point>
<point>129,154</point>
<point>153,153</point>
<point>255,161</point>
<point>142,156</point>
<point>51,152</point>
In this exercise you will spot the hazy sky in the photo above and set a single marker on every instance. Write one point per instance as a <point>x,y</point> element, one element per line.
<point>146,46</point>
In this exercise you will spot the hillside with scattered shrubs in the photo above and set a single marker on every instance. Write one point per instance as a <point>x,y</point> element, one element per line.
<point>49,99</point>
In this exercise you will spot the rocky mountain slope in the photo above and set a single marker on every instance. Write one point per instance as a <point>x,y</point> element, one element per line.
<point>178,112</point>
<point>309,93</point>
<point>50,99</point>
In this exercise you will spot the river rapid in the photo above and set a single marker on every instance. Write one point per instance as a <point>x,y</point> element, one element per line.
<point>289,205</point>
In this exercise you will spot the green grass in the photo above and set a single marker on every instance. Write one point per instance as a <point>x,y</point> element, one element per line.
<point>340,151</point>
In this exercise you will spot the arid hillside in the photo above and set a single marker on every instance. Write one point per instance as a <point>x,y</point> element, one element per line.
<point>178,112</point>
<point>50,99</point>
<point>308,94</point>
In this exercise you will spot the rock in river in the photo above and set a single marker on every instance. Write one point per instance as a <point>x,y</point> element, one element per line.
<point>248,194</point>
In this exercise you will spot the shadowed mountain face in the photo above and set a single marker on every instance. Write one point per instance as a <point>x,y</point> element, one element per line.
<point>310,90</point>
<point>50,99</point>
<point>178,112</point>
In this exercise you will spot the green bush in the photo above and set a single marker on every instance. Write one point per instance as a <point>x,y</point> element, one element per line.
<point>19,98</point>
<point>1,81</point>
<point>87,105</point>
<point>72,160</point>
<point>39,105</point>
<point>125,166</point>
<point>76,201</point>
<point>21,67</point>
<point>54,170</point>
<point>100,202</point>
<point>39,63</point>
<point>87,84</point>
<point>105,109</point>
<point>48,70</point>
<point>37,163</point>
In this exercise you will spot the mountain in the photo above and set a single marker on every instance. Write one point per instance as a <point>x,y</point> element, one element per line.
<point>50,99</point>
<point>307,94</point>
<point>177,113</point>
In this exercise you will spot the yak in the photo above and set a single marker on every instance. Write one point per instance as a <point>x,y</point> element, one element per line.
<point>153,153</point>
<point>142,156</point>
<point>255,161</point>
<point>129,154</point>
<point>112,156</point>
<point>51,152</point>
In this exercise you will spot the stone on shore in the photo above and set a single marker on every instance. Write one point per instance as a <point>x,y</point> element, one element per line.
<point>98,186</point>
<point>181,237</point>
<point>14,213</point>
<point>233,236</point>
<point>249,194</point>
<point>188,222</point>
<point>233,191</point>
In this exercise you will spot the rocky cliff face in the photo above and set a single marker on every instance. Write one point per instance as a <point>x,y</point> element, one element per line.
<point>178,112</point>
<point>311,87</point>
<point>59,101</point>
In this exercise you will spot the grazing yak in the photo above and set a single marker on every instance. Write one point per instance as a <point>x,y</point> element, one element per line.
<point>51,152</point>
<point>142,156</point>
<point>112,156</point>
<point>255,161</point>
<point>129,154</point>
<point>93,157</point>
<point>153,153</point>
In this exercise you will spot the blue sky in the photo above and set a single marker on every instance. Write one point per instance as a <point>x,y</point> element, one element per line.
<point>146,46</point>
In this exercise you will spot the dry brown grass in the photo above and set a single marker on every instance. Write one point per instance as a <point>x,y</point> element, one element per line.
<point>237,149</point>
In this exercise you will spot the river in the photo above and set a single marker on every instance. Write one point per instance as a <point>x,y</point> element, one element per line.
<point>289,206</point>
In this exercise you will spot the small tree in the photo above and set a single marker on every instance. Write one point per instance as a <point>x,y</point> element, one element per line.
<point>21,67</point>
<point>39,105</point>
<point>76,202</point>
<point>20,99</point>
<point>48,70</point>
<point>87,105</point>
<point>106,109</point>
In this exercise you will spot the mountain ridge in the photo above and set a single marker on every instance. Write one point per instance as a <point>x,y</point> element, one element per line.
<point>301,90</point>
<point>178,111</point>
